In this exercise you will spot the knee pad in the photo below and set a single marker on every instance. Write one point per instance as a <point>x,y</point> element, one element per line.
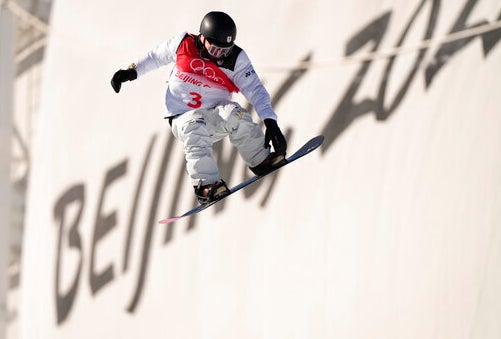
<point>238,116</point>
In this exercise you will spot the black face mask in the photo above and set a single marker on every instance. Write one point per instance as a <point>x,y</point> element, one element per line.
<point>215,53</point>
<point>201,48</point>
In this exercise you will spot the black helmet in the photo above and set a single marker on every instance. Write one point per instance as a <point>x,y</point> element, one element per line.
<point>219,28</point>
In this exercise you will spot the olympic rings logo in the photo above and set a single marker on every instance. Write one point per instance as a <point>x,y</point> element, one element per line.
<point>198,66</point>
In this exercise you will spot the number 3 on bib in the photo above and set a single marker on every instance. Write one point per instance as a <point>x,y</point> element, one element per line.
<point>196,100</point>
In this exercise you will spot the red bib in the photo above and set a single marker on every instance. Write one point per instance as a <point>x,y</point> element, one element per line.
<point>189,61</point>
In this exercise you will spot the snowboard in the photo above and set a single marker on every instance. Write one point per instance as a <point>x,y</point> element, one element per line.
<point>308,147</point>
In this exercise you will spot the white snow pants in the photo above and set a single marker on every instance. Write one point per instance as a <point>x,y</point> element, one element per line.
<point>200,129</point>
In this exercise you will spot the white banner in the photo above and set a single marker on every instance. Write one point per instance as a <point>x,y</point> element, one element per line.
<point>390,230</point>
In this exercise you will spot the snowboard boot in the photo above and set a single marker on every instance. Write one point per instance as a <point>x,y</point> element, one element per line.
<point>207,193</point>
<point>271,162</point>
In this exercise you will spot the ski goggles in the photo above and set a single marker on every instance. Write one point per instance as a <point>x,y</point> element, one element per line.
<point>218,52</point>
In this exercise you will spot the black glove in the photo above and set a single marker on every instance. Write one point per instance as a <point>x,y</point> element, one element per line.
<point>274,134</point>
<point>122,75</point>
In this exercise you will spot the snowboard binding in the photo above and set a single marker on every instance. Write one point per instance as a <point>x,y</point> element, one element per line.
<point>208,193</point>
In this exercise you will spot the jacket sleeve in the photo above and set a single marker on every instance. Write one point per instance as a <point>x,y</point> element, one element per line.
<point>163,54</point>
<point>252,88</point>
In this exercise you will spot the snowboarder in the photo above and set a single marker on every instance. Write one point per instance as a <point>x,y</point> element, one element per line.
<point>209,67</point>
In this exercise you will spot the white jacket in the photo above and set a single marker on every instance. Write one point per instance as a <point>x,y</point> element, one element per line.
<point>196,82</point>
